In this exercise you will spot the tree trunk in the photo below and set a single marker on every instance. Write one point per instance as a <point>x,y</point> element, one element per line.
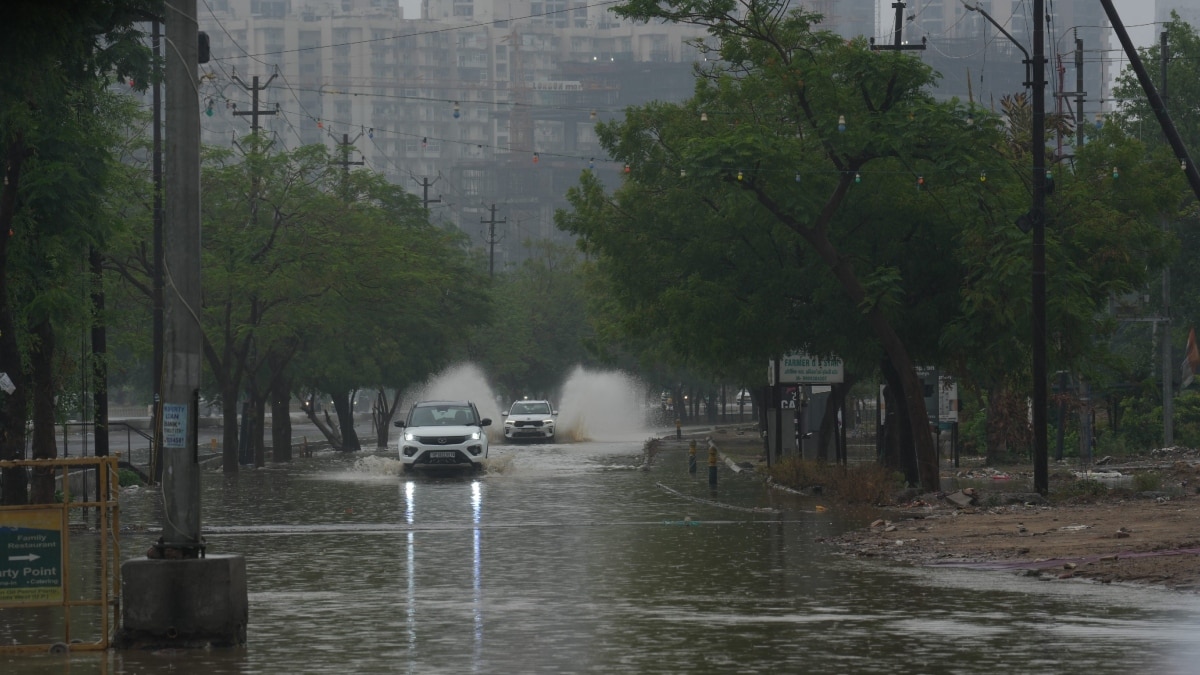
<point>229,431</point>
<point>281,423</point>
<point>1008,428</point>
<point>345,418</point>
<point>327,430</point>
<point>44,447</point>
<point>382,414</point>
<point>14,407</point>
<point>258,433</point>
<point>994,433</point>
<point>900,427</point>
<point>99,355</point>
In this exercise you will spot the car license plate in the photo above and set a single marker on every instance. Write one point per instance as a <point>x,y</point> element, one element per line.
<point>442,454</point>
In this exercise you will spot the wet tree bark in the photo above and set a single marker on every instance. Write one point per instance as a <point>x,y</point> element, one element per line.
<point>899,427</point>
<point>381,416</point>
<point>14,407</point>
<point>44,446</point>
<point>281,423</point>
<point>345,418</point>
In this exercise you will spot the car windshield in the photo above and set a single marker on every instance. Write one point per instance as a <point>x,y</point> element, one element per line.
<point>530,408</point>
<point>441,416</point>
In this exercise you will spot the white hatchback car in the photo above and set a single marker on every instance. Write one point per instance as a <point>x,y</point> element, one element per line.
<point>443,435</point>
<point>530,420</point>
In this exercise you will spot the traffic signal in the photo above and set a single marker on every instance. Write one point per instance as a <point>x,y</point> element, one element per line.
<point>203,53</point>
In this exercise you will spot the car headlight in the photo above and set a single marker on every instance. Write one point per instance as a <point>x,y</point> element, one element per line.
<point>508,423</point>
<point>476,435</point>
<point>410,436</point>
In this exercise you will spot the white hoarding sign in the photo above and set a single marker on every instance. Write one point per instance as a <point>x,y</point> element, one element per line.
<point>801,368</point>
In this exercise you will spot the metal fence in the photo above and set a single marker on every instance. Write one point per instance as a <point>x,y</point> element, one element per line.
<point>45,585</point>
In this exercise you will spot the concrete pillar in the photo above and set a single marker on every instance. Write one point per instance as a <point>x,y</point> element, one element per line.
<point>186,603</point>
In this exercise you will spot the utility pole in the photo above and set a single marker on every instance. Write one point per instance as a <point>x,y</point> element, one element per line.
<point>491,222</point>
<point>898,43</point>
<point>181,337</point>
<point>254,112</point>
<point>1079,92</point>
<point>1041,473</point>
<point>344,148</point>
<point>425,184</point>
<point>177,595</point>
<point>156,461</point>
<point>1167,375</point>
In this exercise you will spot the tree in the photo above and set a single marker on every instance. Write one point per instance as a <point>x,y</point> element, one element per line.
<point>56,130</point>
<point>785,103</point>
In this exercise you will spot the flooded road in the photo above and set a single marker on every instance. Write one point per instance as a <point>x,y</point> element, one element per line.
<point>571,558</point>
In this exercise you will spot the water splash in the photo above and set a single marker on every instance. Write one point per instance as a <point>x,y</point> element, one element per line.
<point>464,381</point>
<point>602,406</point>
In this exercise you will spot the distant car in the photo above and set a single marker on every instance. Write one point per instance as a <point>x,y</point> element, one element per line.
<point>530,420</point>
<point>743,397</point>
<point>443,435</point>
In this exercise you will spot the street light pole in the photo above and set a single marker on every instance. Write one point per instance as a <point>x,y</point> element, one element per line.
<point>1027,61</point>
<point>1035,76</point>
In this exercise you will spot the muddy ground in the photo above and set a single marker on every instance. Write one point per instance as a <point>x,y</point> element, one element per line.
<point>1137,530</point>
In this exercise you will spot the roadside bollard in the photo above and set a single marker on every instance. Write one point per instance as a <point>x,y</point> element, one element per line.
<point>712,463</point>
<point>692,457</point>
<point>678,429</point>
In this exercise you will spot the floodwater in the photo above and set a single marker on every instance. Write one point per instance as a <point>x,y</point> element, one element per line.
<point>571,558</point>
<point>580,557</point>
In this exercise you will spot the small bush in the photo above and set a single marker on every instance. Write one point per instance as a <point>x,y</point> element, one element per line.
<point>1081,491</point>
<point>1149,481</point>
<point>125,478</point>
<point>867,483</point>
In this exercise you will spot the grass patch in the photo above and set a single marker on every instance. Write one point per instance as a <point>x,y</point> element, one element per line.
<point>1080,492</point>
<point>1150,481</point>
<point>866,483</point>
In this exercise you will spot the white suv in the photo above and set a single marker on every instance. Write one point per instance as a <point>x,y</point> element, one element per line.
<point>443,435</point>
<point>532,420</point>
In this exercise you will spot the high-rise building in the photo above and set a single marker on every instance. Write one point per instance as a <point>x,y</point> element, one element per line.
<point>491,101</point>
<point>1188,10</point>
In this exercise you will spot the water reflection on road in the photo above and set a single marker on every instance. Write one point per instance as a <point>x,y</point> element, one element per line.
<point>570,558</point>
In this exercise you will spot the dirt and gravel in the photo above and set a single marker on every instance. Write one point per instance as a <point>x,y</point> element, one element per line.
<point>1142,527</point>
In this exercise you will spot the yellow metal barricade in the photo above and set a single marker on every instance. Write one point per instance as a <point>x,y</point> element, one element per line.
<point>35,553</point>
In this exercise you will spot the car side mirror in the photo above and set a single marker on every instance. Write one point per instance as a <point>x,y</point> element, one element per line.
<point>398,423</point>
<point>504,414</point>
<point>553,412</point>
<point>487,421</point>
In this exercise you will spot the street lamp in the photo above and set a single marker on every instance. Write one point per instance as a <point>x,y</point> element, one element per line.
<point>1027,61</point>
<point>1037,220</point>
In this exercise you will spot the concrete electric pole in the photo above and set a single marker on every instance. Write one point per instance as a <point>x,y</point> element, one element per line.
<point>177,596</point>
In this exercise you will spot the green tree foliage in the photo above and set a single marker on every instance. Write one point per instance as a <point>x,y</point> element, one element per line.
<point>57,133</point>
<point>812,210</point>
<point>1134,370</point>
<point>1101,240</point>
<point>316,280</point>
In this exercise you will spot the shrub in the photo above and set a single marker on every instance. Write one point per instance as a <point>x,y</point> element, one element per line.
<point>1147,482</point>
<point>865,483</point>
<point>1081,491</point>
<point>125,478</point>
